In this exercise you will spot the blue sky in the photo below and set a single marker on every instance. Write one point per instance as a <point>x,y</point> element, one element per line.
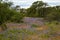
<point>28,3</point>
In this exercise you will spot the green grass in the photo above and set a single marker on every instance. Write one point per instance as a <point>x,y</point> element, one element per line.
<point>25,34</point>
<point>16,34</point>
<point>53,27</point>
<point>34,25</point>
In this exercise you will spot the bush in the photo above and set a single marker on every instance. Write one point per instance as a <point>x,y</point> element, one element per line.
<point>34,25</point>
<point>17,17</point>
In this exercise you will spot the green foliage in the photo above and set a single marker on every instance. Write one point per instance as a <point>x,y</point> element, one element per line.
<point>8,14</point>
<point>36,9</point>
<point>53,28</point>
<point>17,17</point>
<point>53,15</point>
<point>16,34</point>
<point>40,9</point>
<point>34,25</point>
<point>44,35</point>
<point>5,13</point>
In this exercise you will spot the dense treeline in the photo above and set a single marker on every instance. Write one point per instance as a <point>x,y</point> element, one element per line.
<point>7,13</point>
<point>37,9</point>
<point>41,9</point>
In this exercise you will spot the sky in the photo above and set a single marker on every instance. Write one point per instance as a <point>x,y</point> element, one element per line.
<point>28,3</point>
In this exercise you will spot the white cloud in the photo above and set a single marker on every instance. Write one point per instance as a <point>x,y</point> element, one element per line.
<point>51,0</point>
<point>27,3</point>
<point>23,3</point>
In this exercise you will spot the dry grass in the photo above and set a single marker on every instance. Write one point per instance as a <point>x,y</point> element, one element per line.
<point>42,28</point>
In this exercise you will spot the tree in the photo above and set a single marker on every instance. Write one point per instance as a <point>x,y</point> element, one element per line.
<point>17,18</point>
<point>36,9</point>
<point>53,13</point>
<point>5,14</point>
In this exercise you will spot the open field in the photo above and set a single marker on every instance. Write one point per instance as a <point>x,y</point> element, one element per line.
<point>29,20</point>
<point>31,31</point>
